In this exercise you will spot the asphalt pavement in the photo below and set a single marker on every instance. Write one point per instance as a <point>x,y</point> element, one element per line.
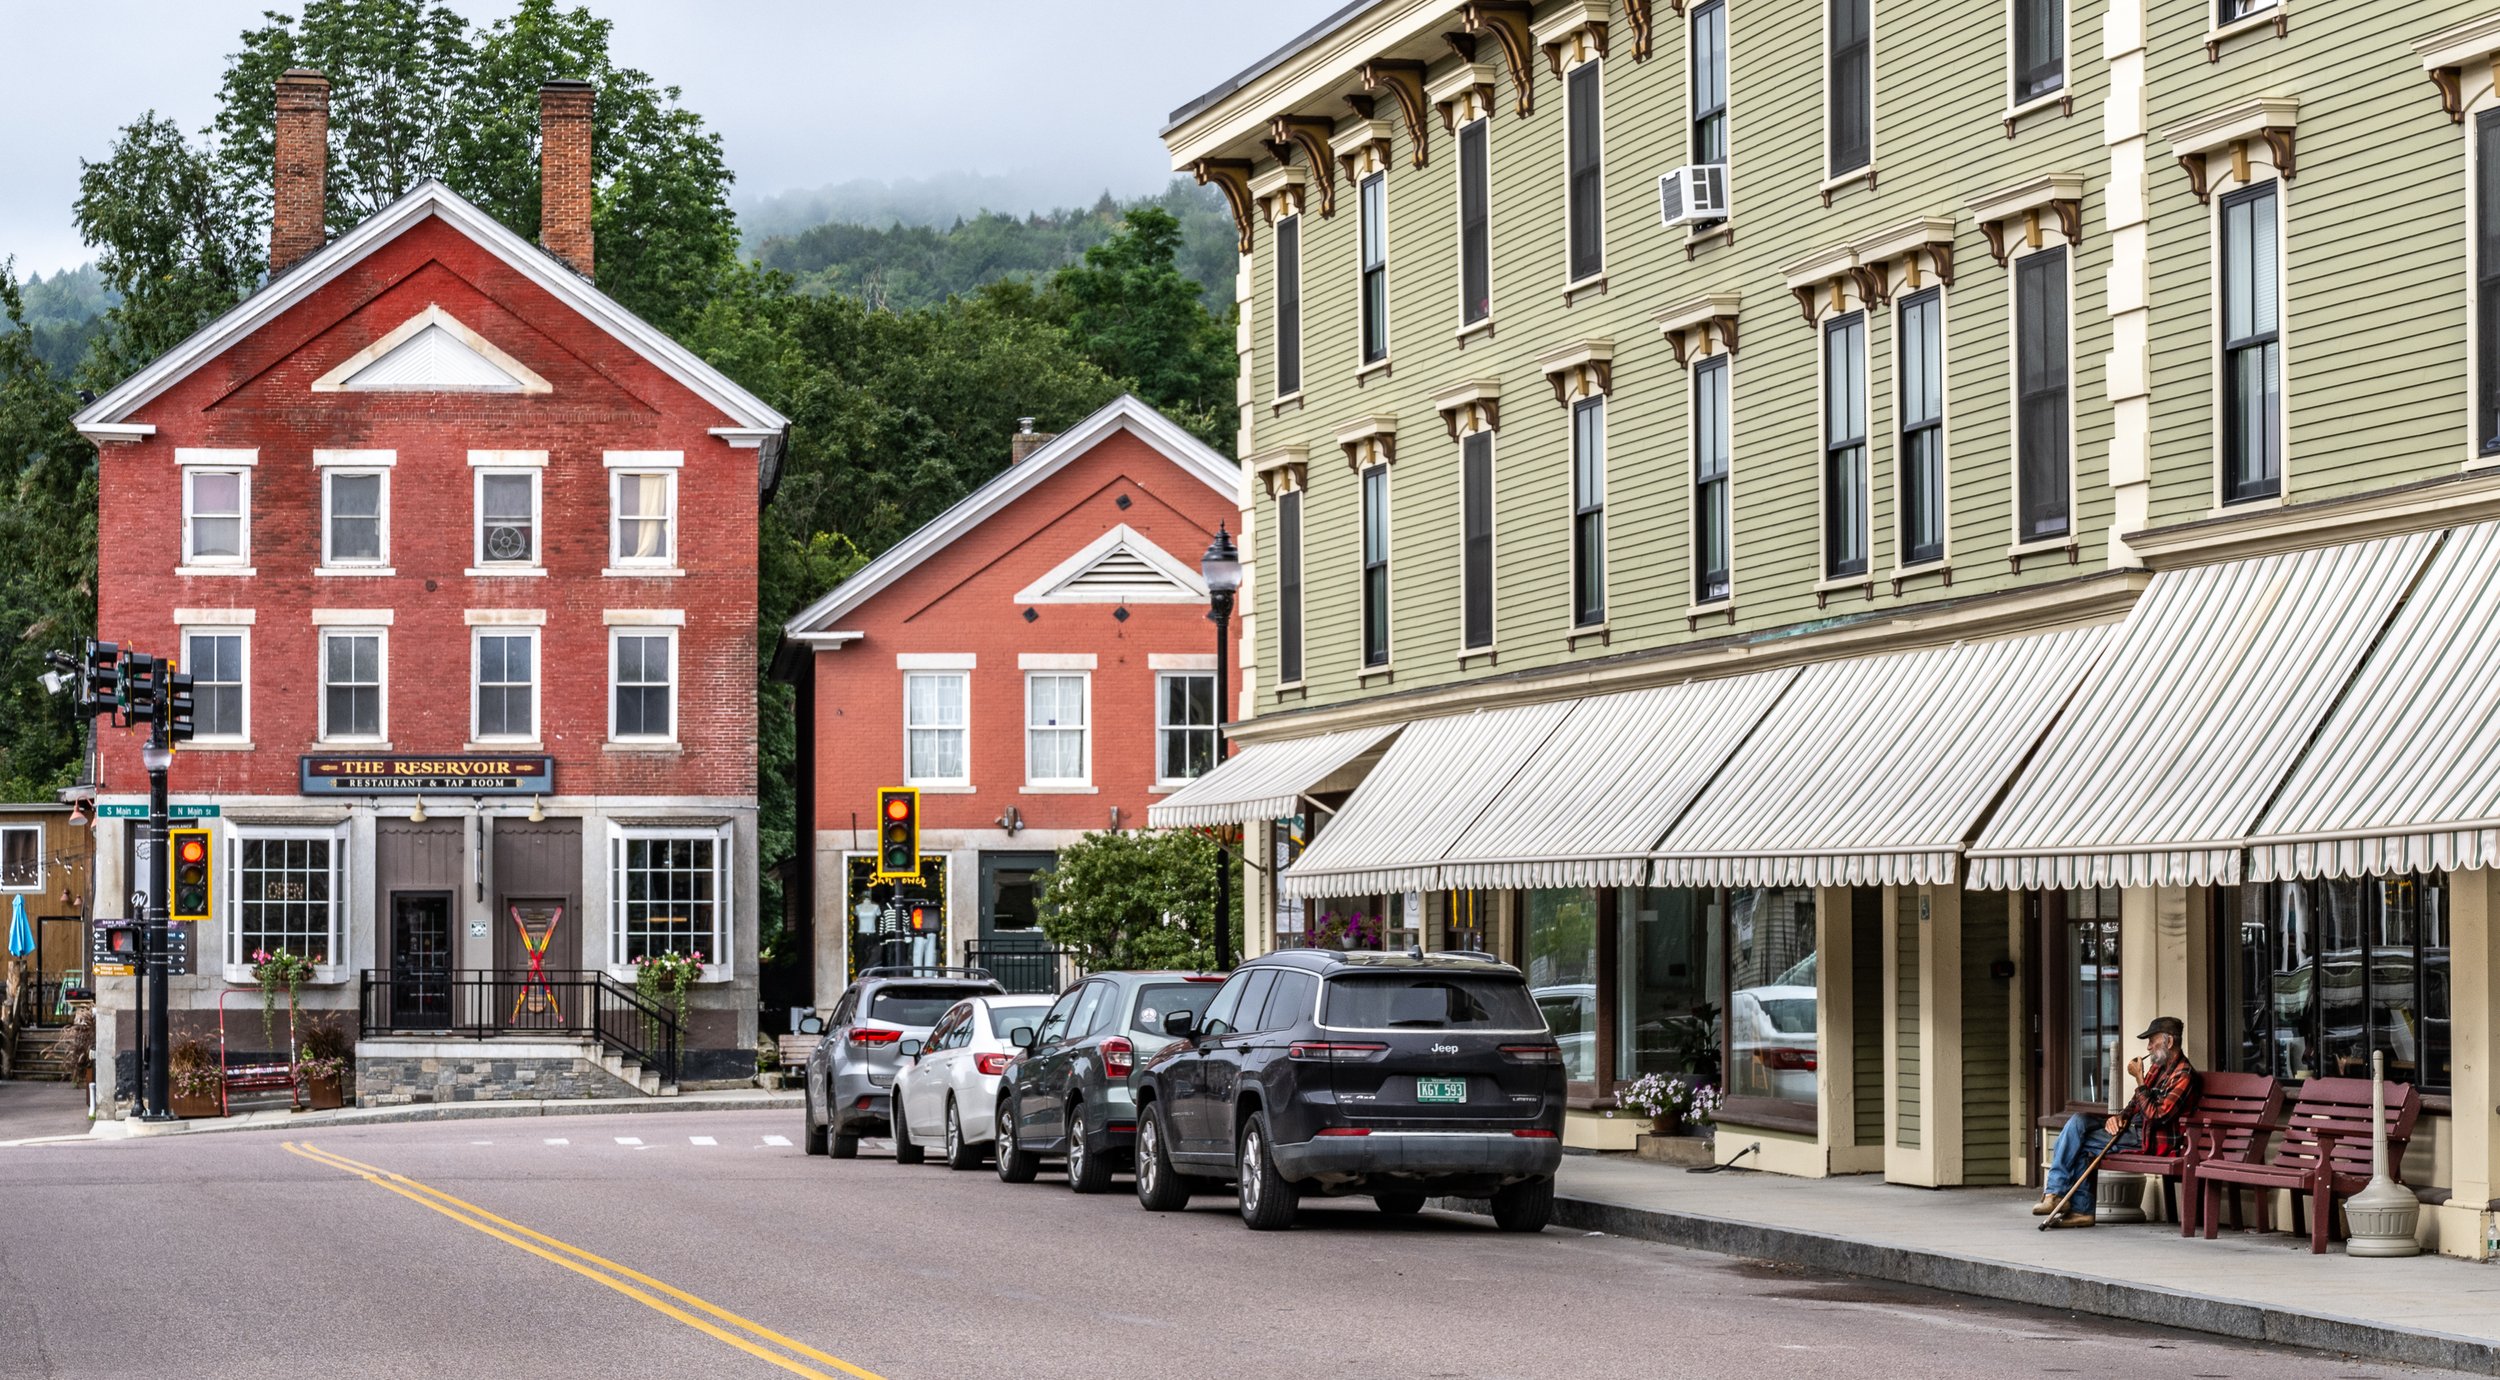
<point>710,1244</point>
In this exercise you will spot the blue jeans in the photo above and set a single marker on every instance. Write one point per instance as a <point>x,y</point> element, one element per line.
<point>2083,1138</point>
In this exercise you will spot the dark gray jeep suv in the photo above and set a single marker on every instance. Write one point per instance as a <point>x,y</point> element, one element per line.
<point>1394,1075</point>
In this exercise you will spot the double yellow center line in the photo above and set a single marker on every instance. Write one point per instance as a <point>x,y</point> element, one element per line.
<point>715,1322</point>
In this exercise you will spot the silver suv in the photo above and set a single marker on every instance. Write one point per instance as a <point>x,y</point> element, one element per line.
<point>850,1074</point>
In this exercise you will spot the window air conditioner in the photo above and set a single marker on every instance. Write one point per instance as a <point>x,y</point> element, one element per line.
<point>507,543</point>
<point>1693,195</point>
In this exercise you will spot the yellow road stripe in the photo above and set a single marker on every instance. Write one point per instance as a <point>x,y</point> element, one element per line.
<point>469,1214</point>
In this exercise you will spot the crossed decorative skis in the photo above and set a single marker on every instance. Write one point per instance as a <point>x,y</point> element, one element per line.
<point>536,977</point>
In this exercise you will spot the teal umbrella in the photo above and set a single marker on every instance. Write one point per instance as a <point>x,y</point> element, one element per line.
<point>21,934</point>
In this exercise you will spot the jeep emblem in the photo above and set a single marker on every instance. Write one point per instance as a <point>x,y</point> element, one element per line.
<point>1445,1049</point>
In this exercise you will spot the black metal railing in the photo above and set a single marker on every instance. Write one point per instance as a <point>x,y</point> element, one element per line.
<point>481,1005</point>
<point>1025,967</point>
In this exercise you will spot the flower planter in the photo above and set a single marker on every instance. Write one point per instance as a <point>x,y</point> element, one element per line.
<point>198,1106</point>
<point>325,1094</point>
<point>1667,1123</point>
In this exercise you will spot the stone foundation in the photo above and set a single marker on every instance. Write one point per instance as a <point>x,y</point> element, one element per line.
<point>390,1075</point>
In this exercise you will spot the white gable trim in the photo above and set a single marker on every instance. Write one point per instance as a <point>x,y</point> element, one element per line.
<point>1189,453</point>
<point>1180,584</point>
<point>105,418</point>
<point>519,377</point>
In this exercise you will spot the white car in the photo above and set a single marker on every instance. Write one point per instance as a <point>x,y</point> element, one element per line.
<point>948,1095</point>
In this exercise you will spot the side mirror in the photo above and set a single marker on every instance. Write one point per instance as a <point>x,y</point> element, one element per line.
<point>911,1049</point>
<point>1180,1025</point>
<point>1021,1037</point>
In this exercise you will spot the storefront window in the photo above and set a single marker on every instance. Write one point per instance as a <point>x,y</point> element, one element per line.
<point>1562,972</point>
<point>1459,920</point>
<point>1667,970</point>
<point>1771,1018</point>
<point>2318,974</point>
<point>2091,992</point>
<point>1287,838</point>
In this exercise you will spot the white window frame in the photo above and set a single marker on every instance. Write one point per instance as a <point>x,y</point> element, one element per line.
<point>1724,360</point>
<point>1944,430</point>
<point>618,634</point>
<point>381,736</point>
<point>2018,106</point>
<point>1833,181</point>
<point>1571,283</point>
<point>1084,731</point>
<point>36,885</point>
<point>331,562</point>
<point>962,679</point>
<point>1301,571</point>
<point>617,519</point>
<point>1162,702</point>
<point>1824,578</point>
<point>2477,103</point>
<point>242,633</point>
<point>1301,290</point>
<point>719,965</point>
<point>232,837</point>
<point>1458,218</point>
<point>2261,169</point>
<point>538,681</point>
<point>2022,546</point>
<point>480,563</point>
<point>191,556</point>
<point>1365,366</point>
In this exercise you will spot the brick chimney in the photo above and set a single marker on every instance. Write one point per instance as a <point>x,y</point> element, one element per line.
<point>564,113</point>
<point>1026,441</point>
<point>299,198</point>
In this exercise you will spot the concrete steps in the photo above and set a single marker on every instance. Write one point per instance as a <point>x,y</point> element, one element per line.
<point>631,1071</point>
<point>42,1055</point>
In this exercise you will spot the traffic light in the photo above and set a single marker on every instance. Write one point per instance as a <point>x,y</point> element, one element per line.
<point>191,872</point>
<point>898,832</point>
<point>99,670</point>
<point>138,687</point>
<point>178,726</point>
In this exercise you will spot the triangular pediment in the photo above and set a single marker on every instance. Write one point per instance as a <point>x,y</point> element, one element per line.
<point>1118,567</point>
<point>432,352</point>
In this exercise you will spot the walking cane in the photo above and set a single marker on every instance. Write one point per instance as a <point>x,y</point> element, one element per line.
<point>2080,1180</point>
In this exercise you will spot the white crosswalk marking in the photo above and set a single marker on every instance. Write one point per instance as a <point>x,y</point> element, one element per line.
<point>777,1140</point>
<point>703,1140</point>
<point>558,1140</point>
<point>629,1140</point>
<point>481,1142</point>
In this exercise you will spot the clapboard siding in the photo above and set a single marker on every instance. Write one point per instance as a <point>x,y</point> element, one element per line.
<point>1987,1062</point>
<point>1905,1024</point>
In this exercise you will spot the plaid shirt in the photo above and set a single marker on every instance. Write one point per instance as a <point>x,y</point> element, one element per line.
<point>2160,1101</point>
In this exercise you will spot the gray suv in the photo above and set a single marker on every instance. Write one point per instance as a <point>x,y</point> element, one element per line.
<point>850,1075</point>
<point>1068,1095</point>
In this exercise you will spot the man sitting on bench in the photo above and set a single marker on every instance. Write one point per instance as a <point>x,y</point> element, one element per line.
<point>2165,1091</point>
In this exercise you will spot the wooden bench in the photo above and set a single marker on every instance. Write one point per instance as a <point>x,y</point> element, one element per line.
<point>2232,1121</point>
<point>2323,1154</point>
<point>795,1051</point>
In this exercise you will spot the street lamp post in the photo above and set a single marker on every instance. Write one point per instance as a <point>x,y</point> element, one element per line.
<point>158,756</point>
<point>1222,569</point>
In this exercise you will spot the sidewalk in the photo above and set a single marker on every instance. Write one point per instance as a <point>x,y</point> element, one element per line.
<point>279,1118</point>
<point>30,1110</point>
<point>2427,1310</point>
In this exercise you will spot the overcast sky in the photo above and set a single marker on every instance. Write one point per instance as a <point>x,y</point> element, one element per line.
<point>803,94</point>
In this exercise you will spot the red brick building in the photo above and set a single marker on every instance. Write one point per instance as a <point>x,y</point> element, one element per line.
<point>1037,661</point>
<point>462,557</point>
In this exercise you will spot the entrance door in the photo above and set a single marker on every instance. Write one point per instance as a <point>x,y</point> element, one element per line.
<point>1012,944</point>
<point>421,960</point>
<point>2074,941</point>
<point>533,988</point>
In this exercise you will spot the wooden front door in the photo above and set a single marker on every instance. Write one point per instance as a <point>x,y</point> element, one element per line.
<point>421,963</point>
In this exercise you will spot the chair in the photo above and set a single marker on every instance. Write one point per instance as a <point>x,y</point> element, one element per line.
<point>2232,1121</point>
<point>2323,1154</point>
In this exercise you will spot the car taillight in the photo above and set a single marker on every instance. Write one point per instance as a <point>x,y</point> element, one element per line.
<point>1326,1051</point>
<point>1534,1054</point>
<point>1795,1059</point>
<point>1119,1057</point>
<point>1345,1130</point>
<point>861,1035</point>
<point>1534,1134</point>
<point>992,1065</point>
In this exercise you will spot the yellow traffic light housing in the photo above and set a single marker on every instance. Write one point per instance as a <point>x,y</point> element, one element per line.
<point>193,870</point>
<point>898,833</point>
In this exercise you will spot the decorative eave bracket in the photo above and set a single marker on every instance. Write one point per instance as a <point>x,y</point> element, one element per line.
<point>1580,369</point>
<point>1821,280</point>
<point>1641,16</point>
<point>1231,176</point>
<point>1574,33</point>
<point>1511,23</point>
<point>1931,236</point>
<point>1688,325</point>
<point>1404,80</point>
<point>1283,470</point>
<point>1316,138</point>
<point>2447,56</point>
<point>1475,405</point>
<point>2272,119</point>
<point>1371,440</point>
<point>2057,194</point>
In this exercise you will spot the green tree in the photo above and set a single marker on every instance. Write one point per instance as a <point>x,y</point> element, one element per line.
<point>1139,899</point>
<point>47,525</point>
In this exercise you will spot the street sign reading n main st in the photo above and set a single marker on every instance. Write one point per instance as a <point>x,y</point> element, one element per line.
<point>171,811</point>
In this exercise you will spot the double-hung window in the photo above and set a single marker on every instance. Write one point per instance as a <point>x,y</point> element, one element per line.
<point>2039,49</point>
<point>1711,534</point>
<point>644,703</point>
<point>2041,484</point>
<point>1184,724</point>
<point>1844,446</point>
<point>356,517</point>
<point>352,699</point>
<point>1376,566</point>
<point>1475,223</point>
<point>283,892</point>
<point>2487,282</point>
<point>216,517</point>
<point>1375,217</point>
<point>21,857</point>
<point>1921,456</point>
<point>1055,748</point>
<point>1849,83</point>
<point>507,684</point>
<point>1588,512</point>
<point>669,892</point>
<point>2229,11</point>
<point>1475,501</point>
<point>1289,306</point>
<point>936,744</point>
<point>644,521</point>
<point>1289,588</point>
<point>1708,47</point>
<point>1586,191</point>
<point>2252,347</point>
<point>215,659</point>
<point>507,518</point>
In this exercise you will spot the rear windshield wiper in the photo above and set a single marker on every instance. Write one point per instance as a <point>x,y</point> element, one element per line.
<point>1418,1023</point>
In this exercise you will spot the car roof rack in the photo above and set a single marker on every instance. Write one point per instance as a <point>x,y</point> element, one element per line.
<point>907,971</point>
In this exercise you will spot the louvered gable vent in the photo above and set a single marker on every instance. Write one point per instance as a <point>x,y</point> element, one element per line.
<point>1119,567</point>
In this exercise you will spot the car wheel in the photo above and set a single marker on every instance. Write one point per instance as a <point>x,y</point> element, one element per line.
<point>960,1153</point>
<point>1160,1188</point>
<point>1399,1204</point>
<point>1016,1165</point>
<point>1089,1170</point>
<point>1525,1206</point>
<point>906,1150</point>
<point>815,1139</point>
<point>842,1147</point>
<point>1267,1201</point>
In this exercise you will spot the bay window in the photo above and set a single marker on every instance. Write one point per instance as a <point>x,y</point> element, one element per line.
<point>668,892</point>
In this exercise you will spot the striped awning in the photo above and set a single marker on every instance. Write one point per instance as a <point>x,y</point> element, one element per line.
<point>2405,775</point>
<point>2172,750</point>
<point>1874,771</point>
<point>1400,823</point>
<point>1264,780</point>
<point>1589,804</point>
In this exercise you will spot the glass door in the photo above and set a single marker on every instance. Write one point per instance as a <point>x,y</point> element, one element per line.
<point>421,960</point>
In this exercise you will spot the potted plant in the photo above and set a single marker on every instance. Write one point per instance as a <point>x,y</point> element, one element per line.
<point>666,977</point>
<point>198,1085</point>
<point>323,1062</point>
<point>273,971</point>
<point>1669,1102</point>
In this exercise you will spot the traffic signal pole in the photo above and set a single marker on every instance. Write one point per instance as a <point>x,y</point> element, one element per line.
<point>160,752</point>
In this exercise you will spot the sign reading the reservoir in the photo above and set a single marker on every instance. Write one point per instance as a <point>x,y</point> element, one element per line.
<point>461,774</point>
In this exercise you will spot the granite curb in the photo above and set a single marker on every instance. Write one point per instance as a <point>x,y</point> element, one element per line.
<point>445,1111</point>
<point>1995,1279</point>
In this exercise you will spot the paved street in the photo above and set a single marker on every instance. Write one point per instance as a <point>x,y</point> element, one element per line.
<point>672,1245</point>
